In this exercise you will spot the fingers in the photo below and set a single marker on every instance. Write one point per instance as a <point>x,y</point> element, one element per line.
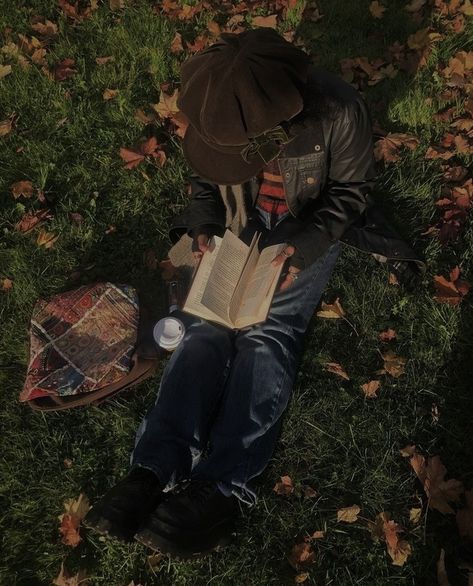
<point>283,255</point>
<point>201,241</point>
<point>292,275</point>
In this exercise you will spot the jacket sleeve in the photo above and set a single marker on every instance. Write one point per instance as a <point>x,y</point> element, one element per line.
<point>351,176</point>
<point>206,207</point>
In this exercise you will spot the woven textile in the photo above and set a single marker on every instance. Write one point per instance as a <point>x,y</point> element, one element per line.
<point>81,340</point>
<point>271,195</point>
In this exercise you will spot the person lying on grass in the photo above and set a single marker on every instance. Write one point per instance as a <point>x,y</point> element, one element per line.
<point>285,149</point>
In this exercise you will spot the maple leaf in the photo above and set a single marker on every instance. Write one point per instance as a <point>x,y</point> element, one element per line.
<point>439,491</point>
<point>45,28</point>
<point>5,127</point>
<point>331,310</point>
<point>32,219</point>
<point>200,42</point>
<point>75,12</point>
<point>270,21</point>
<point>423,38</point>
<point>64,70</point>
<point>302,555</point>
<point>370,389</point>
<point>22,189</point>
<point>176,44</point>
<point>386,148</point>
<point>66,579</point>
<point>385,529</point>
<point>167,105</point>
<point>377,10</point>
<point>284,486</point>
<point>149,148</point>
<point>387,335</point>
<point>5,70</point>
<point>465,517</point>
<point>452,291</point>
<point>109,94</point>
<point>393,364</point>
<point>46,239</point>
<point>348,514</point>
<point>318,535</point>
<point>337,369</point>
<point>6,284</point>
<point>455,173</point>
<point>75,511</point>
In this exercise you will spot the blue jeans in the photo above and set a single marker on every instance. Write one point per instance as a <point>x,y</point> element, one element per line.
<point>221,399</point>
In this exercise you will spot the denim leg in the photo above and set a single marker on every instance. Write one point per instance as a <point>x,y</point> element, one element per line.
<point>259,384</point>
<point>174,431</point>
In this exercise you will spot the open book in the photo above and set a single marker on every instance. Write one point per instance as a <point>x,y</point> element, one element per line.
<point>234,283</point>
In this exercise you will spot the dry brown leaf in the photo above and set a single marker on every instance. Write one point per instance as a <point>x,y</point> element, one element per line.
<point>408,451</point>
<point>75,511</point>
<point>45,28</point>
<point>167,105</point>
<point>422,39</point>
<point>284,486</point>
<point>467,8</point>
<point>439,491</point>
<point>103,60</point>
<point>393,364</point>
<point>116,4</point>
<point>415,515</point>
<point>465,517</point>
<point>377,9</point>
<point>385,529</point>
<point>308,491</point>
<point>109,94</point>
<point>450,291</point>
<point>370,389</point>
<point>301,578</point>
<point>387,335</point>
<point>176,44</point>
<point>5,127</point>
<point>22,189</point>
<point>150,148</point>
<point>64,69</point>
<point>270,21</point>
<point>32,219</point>
<point>5,70</point>
<point>387,148</point>
<point>46,239</point>
<point>331,310</point>
<point>348,514</point>
<point>302,555</point>
<point>337,369</point>
<point>6,284</point>
<point>66,579</point>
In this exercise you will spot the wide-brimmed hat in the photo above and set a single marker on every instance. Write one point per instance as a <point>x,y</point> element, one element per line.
<point>236,93</point>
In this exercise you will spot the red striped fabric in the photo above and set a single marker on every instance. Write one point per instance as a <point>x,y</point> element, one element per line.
<point>271,197</point>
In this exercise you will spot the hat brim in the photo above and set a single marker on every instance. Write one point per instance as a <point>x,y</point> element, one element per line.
<point>215,166</point>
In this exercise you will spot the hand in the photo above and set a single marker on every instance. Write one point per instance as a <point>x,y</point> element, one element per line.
<point>291,271</point>
<point>200,244</point>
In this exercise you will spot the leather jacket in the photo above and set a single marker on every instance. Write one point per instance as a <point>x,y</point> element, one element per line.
<point>328,173</point>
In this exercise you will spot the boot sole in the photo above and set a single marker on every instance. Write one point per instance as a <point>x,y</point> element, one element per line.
<point>208,543</point>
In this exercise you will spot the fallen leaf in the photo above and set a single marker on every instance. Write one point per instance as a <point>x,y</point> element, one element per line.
<point>155,559</point>
<point>284,486</point>
<point>331,310</point>
<point>439,491</point>
<point>408,451</point>
<point>393,364</point>
<point>46,239</point>
<point>148,148</point>
<point>176,44</point>
<point>385,529</point>
<point>45,28</point>
<point>377,10</point>
<point>393,280</point>
<point>116,4</point>
<point>22,189</point>
<point>318,535</point>
<point>301,578</point>
<point>103,60</point>
<point>348,514</point>
<point>5,70</point>
<point>415,515</point>
<point>6,284</point>
<point>67,463</point>
<point>387,147</point>
<point>423,38</point>
<point>465,517</point>
<point>75,511</point>
<point>5,127</point>
<point>308,491</point>
<point>66,579</point>
<point>109,94</point>
<point>270,21</point>
<point>167,105</point>
<point>442,576</point>
<point>141,116</point>
<point>32,219</point>
<point>452,291</point>
<point>301,555</point>
<point>387,335</point>
<point>78,11</point>
<point>370,389</point>
<point>337,369</point>
<point>64,69</point>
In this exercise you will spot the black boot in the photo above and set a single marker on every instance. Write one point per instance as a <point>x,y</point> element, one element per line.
<point>192,521</point>
<point>124,507</point>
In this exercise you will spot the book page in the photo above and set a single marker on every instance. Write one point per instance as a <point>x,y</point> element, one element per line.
<point>244,280</point>
<point>224,275</point>
<point>260,289</point>
<point>193,302</point>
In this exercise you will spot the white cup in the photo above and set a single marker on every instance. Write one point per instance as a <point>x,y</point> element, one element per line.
<point>168,332</point>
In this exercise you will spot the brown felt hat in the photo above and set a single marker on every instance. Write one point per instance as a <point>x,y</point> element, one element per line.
<point>236,93</point>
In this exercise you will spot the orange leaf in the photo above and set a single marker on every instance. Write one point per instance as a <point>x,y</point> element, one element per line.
<point>64,69</point>
<point>408,451</point>
<point>284,486</point>
<point>31,219</point>
<point>176,44</point>
<point>103,60</point>
<point>46,239</point>
<point>266,21</point>
<point>75,511</point>
<point>22,188</point>
<point>385,529</point>
<point>5,127</point>
<point>377,10</point>
<point>302,555</point>
<point>386,148</point>
<point>331,310</point>
<point>109,94</point>
<point>337,369</point>
<point>387,335</point>
<point>348,514</point>
<point>43,27</point>
<point>393,364</point>
<point>308,491</point>
<point>450,291</point>
<point>66,579</point>
<point>6,284</point>
<point>131,158</point>
<point>370,389</point>
<point>415,515</point>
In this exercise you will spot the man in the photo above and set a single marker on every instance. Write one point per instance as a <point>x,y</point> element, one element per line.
<point>279,147</point>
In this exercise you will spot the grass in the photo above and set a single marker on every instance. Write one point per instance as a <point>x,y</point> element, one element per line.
<point>346,447</point>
